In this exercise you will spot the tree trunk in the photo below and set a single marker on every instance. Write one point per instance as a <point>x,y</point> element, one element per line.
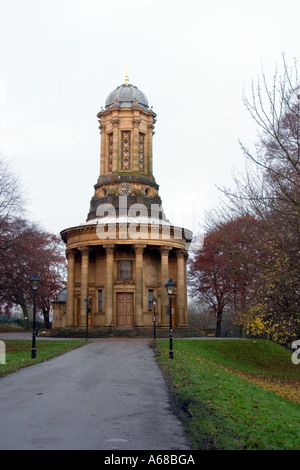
<point>218,324</point>
<point>46,318</point>
<point>26,317</point>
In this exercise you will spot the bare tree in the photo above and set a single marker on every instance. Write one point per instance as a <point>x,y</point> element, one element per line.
<point>269,191</point>
<point>272,175</point>
<point>25,249</point>
<point>12,199</point>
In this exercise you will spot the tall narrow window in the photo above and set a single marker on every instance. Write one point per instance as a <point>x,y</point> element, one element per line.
<point>110,152</point>
<point>124,270</point>
<point>125,151</point>
<point>150,297</point>
<point>141,152</point>
<point>100,293</point>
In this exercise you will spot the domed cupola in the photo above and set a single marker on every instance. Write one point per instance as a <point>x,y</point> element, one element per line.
<point>126,96</point>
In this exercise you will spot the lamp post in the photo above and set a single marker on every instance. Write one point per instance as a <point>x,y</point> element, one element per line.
<point>154,300</point>
<point>87,301</point>
<point>170,287</point>
<point>35,283</point>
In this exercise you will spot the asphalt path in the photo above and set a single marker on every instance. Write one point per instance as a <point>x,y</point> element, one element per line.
<point>108,395</point>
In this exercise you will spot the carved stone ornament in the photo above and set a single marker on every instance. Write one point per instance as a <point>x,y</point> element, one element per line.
<point>115,122</point>
<point>84,250</point>
<point>126,282</point>
<point>164,250</point>
<point>139,249</point>
<point>141,151</point>
<point>70,254</point>
<point>109,249</point>
<point>180,254</point>
<point>125,151</point>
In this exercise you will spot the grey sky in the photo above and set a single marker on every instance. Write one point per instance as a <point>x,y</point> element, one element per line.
<point>60,59</point>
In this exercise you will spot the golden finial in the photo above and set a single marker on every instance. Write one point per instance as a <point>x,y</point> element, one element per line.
<point>127,77</point>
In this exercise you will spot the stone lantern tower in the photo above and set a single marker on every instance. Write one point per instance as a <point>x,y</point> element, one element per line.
<point>126,251</point>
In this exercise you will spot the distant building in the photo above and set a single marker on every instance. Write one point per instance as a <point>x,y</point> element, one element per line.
<point>127,250</point>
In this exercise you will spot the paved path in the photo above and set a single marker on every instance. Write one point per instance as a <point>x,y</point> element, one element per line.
<point>109,394</point>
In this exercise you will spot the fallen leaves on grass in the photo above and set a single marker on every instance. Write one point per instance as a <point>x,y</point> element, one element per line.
<point>286,388</point>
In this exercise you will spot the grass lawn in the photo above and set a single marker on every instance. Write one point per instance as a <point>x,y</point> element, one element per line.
<point>237,394</point>
<point>18,352</point>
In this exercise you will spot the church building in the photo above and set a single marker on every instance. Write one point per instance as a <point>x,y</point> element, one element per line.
<point>126,251</point>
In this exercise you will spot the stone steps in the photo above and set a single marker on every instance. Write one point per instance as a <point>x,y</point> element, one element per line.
<point>137,332</point>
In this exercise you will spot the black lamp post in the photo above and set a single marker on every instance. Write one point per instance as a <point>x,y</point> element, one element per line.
<point>154,300</point>
<point>87,301</point>
<point>170,287</point>
<point>35,283</point>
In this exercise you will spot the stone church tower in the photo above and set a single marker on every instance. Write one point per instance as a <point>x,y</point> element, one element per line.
<point>126,251</point>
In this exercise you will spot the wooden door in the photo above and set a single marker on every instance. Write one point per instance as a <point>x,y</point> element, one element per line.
<point>125,310</point>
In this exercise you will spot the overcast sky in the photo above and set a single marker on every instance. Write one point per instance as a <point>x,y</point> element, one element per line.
<point>59,59</point>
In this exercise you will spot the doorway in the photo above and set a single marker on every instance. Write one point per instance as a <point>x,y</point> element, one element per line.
<point>125,309</point>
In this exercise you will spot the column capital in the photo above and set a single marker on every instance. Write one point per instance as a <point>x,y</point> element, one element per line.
<point>136,122</point>
<point>109,249</point>
<point>151,128</point>
<point>164,250</point>
<point>180,253</point>
<point>115,122</point>
<point>84,250</point>
<point>70,254</point>
<point>139,249</point>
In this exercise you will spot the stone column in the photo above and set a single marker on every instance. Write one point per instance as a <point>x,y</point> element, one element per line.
<point>139,283</point>
<point>84,283</point>
<point>180,288</point>
<point>109,296</point>
<point>164,277</point>
<point>70,288</point>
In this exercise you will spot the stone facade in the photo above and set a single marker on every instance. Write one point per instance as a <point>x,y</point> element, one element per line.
<point>126,251</point>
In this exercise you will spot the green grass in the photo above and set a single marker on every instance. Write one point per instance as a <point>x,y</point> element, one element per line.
<point>18,353</point>
<point>237,394</point>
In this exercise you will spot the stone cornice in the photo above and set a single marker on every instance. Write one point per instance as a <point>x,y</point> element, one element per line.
<point>106,112</point>
<point>86,235</point>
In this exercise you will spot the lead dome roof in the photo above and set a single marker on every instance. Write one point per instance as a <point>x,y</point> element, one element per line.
<point>126,96</point>
<point>62,296</point>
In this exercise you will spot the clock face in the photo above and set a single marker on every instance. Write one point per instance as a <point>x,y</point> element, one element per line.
<point>124,189</point>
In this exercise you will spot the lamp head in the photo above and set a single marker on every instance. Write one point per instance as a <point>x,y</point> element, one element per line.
<point>170,286</point>
<point>35,282</point>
